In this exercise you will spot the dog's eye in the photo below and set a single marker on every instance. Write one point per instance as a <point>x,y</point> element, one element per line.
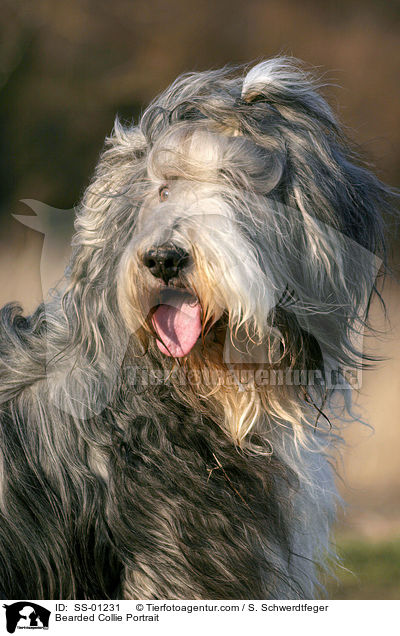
<point>163,193</point>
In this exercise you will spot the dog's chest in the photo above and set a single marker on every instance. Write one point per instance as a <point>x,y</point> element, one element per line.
<point>192,515</point>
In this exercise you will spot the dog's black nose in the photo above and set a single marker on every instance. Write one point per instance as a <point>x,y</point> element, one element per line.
<point>166,262</point>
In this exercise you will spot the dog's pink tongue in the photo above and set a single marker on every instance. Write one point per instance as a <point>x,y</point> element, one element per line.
<point>178,327</point>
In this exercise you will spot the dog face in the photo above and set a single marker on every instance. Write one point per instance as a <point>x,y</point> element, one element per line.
<point>233,226</point>
<point>198,247</point>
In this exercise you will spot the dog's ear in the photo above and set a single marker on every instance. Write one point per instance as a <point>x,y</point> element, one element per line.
<point>108,202</point>
<point>324,176</point>
<point>123,153</point>
<point>105,219</point>
<point>282,83</point>
<point>329,226</point>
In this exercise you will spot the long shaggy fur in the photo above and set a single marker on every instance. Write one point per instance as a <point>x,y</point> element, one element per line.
<point>128,473</point>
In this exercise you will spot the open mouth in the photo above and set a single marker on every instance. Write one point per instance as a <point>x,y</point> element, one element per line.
<point>177,320</point>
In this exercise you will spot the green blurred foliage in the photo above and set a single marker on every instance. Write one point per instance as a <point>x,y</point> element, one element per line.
<point>369,570</point>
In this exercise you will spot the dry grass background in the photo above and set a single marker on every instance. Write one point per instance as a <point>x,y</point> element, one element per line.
<point>67,68</point>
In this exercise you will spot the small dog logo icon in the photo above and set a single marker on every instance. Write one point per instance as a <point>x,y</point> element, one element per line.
<point>26,615</point>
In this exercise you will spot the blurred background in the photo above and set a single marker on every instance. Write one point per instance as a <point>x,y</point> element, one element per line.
<point>66,69</point>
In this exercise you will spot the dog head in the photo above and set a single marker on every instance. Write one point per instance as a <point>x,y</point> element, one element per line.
<point>231,227</point>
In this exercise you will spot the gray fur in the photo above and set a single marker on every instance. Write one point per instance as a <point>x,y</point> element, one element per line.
<point>114,489</point>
